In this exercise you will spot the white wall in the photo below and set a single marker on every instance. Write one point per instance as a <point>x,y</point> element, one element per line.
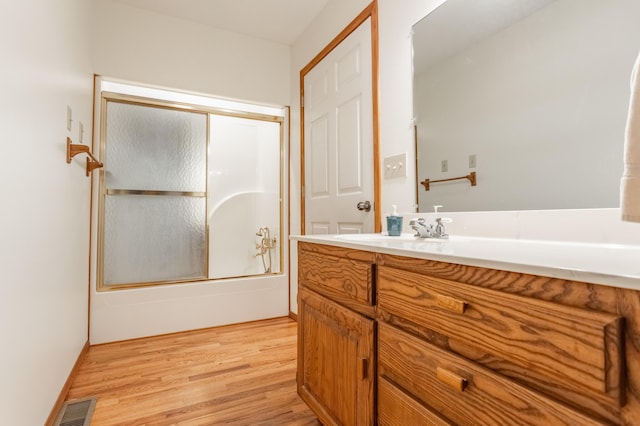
<point>140,46</point>
<point>44,226</point>
<point>396,98</point>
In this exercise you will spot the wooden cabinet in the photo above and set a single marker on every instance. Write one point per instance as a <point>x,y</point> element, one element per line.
<point>577,351</point>
<point>482,346</point>
<point>336,358</point>
<point>451,344</point>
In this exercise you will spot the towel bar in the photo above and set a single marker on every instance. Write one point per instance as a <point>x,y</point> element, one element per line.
<point>471,177</point>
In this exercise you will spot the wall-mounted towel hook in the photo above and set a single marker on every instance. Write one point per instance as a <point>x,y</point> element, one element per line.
<point>74,149</point>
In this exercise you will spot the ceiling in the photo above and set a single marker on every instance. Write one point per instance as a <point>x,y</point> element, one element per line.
<point>280,21</point>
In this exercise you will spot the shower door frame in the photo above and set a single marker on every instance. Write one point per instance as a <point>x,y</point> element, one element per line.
<point>106,97</point>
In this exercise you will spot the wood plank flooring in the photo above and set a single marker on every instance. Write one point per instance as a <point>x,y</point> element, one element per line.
<point>233,375</point>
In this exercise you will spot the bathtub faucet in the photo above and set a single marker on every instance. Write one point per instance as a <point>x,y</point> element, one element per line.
<point>265,246</point>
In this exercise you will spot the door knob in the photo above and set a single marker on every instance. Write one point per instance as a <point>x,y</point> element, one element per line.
<point>364,206</point>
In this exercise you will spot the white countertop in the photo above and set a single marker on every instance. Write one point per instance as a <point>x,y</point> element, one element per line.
<point>614,265</point>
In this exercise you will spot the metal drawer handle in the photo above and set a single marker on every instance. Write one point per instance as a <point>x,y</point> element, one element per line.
<point>451,304</point>
<point>451,379</point>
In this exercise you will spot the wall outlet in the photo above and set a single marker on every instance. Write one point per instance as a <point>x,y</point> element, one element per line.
<point>395,166</point>
<point>472,161</point>
<point>445,166</point>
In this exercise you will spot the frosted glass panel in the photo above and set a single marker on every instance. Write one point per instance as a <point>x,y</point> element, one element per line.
<point>150,148</point>
<point>154,238</point>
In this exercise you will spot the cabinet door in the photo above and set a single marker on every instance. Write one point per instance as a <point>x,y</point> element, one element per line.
<point>335,361</point>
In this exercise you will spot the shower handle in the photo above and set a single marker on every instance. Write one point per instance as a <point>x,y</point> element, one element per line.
<point>364,206</point>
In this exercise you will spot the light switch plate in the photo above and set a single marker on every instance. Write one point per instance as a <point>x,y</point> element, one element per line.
<point>69,118</point>
<point>395,166</point>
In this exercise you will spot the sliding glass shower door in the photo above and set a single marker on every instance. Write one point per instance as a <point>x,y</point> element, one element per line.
<point>187,194</point>
<point>155,201</point>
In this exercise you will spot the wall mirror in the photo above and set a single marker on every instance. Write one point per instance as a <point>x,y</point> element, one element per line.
<point>532,95</point>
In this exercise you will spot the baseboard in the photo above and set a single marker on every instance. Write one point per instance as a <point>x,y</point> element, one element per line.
<point>293,316</point>
<point>67,386</point>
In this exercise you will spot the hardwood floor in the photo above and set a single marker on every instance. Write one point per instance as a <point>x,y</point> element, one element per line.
<point>233,375</point>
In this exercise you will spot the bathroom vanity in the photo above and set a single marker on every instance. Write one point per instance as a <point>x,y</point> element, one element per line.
<point>394,330</point>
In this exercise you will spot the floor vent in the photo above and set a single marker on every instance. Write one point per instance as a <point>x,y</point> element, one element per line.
<point>76,413</point>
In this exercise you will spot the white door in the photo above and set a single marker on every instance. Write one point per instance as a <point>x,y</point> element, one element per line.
<point>338,139</point>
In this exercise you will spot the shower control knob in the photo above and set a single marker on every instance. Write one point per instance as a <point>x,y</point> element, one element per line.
<point>364,206</point>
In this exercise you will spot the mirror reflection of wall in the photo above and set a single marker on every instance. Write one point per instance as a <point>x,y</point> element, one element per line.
<point>536,90</point>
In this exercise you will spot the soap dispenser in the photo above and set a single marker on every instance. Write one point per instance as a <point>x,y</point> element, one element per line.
<point>394,222</point>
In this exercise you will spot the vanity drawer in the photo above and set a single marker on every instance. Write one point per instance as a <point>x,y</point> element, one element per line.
<point>339,278</point>
<point>396,408</point>
<point>567,352</point>
<point>463,392</point>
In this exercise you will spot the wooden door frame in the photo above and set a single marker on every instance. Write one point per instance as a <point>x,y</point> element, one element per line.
<point>371,11</point>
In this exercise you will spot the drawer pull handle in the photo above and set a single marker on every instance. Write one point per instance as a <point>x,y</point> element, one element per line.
<point>363,367</point>
<point>451,379</point>
<point>451,304</point>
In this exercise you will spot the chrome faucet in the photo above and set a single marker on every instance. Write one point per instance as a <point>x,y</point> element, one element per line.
<point>430,231</point>
<point>422,229</point>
